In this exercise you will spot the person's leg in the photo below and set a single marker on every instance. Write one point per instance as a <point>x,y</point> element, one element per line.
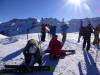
<point>40,61</point>
<point>53,34</point>
<point>44,35</point>
<point>27,58</point>
<point>64,37</point>
<point>41,36</point>
<point>88,44</point>
<point>98,38</point>
<point>84,42</point>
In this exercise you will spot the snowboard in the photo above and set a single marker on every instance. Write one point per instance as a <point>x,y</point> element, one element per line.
<point>24,69</point>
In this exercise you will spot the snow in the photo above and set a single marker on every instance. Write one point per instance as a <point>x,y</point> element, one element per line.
<point>2,36</point>
<point>80,63</point>
<point>73,64</point>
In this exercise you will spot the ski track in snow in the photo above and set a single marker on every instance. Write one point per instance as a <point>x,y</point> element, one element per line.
<point>74,64</point>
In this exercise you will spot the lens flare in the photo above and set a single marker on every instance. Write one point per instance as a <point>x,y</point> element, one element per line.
<point>75,2</point>
<point>79,7</point>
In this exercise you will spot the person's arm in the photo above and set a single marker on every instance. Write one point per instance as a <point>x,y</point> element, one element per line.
<point>47,29</point>
<point>79,38</point>
<point>80,33</point>
<point>59,44</point>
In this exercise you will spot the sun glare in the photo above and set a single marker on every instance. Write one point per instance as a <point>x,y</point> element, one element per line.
<point>75,2</point>
<point>78,4</point>
<point>78,7</point>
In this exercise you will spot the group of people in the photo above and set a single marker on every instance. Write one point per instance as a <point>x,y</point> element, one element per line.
<point>52,31</point>
<point>86,31</point>
<point>32,49</point>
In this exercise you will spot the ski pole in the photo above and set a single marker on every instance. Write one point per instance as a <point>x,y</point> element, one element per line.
<point>27,34</point>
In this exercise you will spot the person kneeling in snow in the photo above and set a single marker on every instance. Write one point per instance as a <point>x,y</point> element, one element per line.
<point>32,51</point>
<point>55,47</point>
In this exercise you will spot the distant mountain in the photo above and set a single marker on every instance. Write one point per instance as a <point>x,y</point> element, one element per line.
<point>17,26</point>
<point>20,26</point>
<point>74,24</point>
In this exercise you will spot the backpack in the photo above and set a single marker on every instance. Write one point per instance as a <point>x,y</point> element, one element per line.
<point>85,31</point>
<point>82,30</point>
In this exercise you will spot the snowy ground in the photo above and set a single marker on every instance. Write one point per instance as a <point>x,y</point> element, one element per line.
<point>80,63</point>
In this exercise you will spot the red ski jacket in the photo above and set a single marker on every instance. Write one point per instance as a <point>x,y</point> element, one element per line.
<point>55,46</point>
<point>43,28</point>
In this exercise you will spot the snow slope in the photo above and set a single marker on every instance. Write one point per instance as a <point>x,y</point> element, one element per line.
<point>79,63</point>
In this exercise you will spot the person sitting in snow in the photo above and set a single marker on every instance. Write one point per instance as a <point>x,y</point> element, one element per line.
<point>32,51</point>
<point>55,47</point>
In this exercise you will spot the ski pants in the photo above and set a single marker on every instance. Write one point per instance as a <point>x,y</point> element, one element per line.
<point>63,37</point>
<point>96,39</point>
<point>43,36</point>
<point>27,57</point>
<point>86,42</point>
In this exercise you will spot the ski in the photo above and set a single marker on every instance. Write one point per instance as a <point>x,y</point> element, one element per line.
<point>25,69</point>
<point>48,51</point>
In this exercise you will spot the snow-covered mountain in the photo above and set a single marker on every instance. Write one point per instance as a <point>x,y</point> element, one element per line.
<point>17,26</point>
<point>20,26</point>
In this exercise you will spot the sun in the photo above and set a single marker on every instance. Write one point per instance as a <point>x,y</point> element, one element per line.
<point>78,7</point>
<point>75,2</point>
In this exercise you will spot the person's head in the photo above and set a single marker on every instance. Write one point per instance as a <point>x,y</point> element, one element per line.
<point>89,25</point>
<point>55,36</point>
<point>29,43</point>
<point>43,25</point>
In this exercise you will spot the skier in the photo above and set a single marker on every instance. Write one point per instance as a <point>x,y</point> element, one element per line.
<point>96,35</point>
<point>86,33</point>
<point>53,30</point>
<point>64,28</point>
<point>43,32</point>
<point>32,51</point>
<point>55,47</point>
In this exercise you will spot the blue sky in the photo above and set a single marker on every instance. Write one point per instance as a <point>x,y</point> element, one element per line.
<point>48,8</point>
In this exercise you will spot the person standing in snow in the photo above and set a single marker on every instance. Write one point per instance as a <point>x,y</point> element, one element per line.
<point>55,47</point>
<point>53,30</point>
<point>43,32</point>
<point>86,33</point>
<point>64,28</point>
<point>32,51</point>
<point>96,40</point>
